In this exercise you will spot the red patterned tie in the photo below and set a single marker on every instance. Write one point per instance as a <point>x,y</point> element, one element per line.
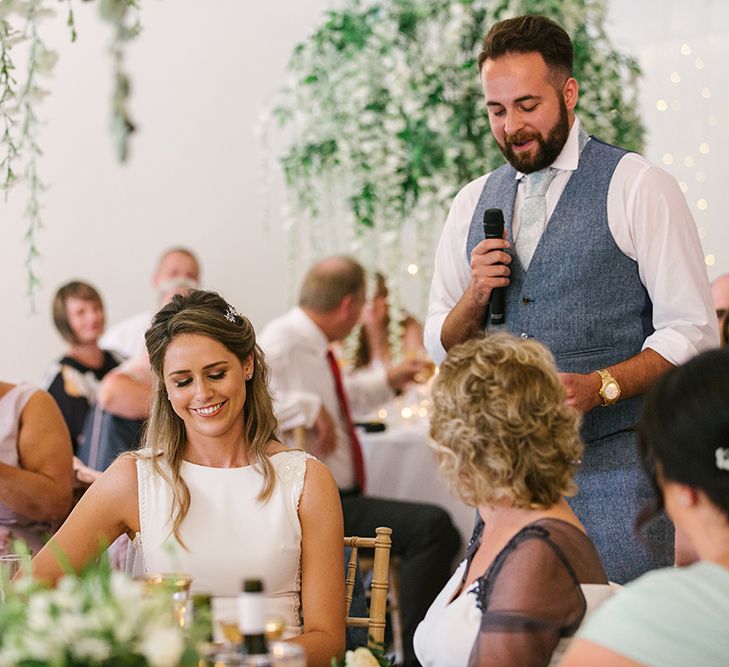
<point>357,460</point>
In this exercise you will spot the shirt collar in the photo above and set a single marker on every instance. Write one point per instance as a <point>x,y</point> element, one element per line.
<point>569,157</point>
<point>308,331</point>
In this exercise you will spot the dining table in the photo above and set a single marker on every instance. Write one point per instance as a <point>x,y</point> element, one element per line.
<point>400,464</point>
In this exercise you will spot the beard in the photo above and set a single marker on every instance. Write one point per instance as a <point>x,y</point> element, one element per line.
<point>547,148</point>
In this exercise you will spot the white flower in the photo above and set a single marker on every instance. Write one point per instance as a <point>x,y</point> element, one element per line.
<point>91,648</point>
<point>163,646</point>
<point>361,657</point>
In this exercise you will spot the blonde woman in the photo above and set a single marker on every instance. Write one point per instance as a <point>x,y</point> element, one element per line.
<point>213,493</point>
<point>508,445</point>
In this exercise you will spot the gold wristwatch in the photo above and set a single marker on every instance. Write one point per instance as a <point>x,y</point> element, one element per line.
<point>610,389</point>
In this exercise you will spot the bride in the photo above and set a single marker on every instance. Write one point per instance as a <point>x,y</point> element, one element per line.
<point>213,493</point>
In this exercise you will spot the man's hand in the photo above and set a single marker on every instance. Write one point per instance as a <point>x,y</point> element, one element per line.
<point>405,372</point>
<point>582,390</point>
<point>325,441</point>
<point>489,269</point>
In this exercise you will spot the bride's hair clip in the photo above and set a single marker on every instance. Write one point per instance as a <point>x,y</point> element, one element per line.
<point>722,458</point>
<point>231,314</point>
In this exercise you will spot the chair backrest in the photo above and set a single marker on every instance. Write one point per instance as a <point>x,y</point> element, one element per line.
<point>375,622</point>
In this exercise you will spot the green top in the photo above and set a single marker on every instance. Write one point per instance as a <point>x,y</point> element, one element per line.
<point>668,617</point>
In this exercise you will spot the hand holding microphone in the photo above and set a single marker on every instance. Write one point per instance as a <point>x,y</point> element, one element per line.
<point>490,266</point>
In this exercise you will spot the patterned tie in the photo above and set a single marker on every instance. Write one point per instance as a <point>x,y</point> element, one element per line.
<point>357,460</point>
<point>533,214</point>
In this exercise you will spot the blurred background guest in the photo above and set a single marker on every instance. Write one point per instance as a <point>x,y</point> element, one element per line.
<point>373,340</point>
<point>36,473</point>
<point>177,270</point>
<point>677,616</point>
<point>720,296</point>
<point>73,381</point>
<point>508,445</point>
<point>125,394</point>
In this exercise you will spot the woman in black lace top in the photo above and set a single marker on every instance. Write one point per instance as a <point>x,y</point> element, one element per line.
<point>508,445</point>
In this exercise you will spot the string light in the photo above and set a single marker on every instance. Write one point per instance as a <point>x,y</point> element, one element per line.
<point>688,161</point>
<point>702,204</point>
<point>700,176</point>
<point>706,93</point>
<point>685,50</point>
<point>704,148</point>
<point>412,269</point>
<point>406,413</point>
<point>667,158</point>
<point>675,77</point>
<point>698,63</point>
<point>382,413</point>
<point>661,105</point>
<point>710,259</point>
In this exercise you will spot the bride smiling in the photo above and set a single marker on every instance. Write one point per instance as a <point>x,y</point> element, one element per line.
<point>213,493</point>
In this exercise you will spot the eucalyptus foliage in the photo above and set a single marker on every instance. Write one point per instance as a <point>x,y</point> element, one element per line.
<point>387,121</point>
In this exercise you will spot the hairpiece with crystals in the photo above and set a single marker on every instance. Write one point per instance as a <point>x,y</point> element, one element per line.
<point>722,458</point>
<point>231,314</point>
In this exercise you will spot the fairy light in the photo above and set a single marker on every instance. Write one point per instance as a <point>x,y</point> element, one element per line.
<point>706,92</point>
<point>662,105</point>
<point>667,158</point>
<point>702,204</point>
<point>704,148</point>
<point>406,413</point>
<point>700,177</point>
<point>382,413</point>
<point>685,50</point>
<point>412,269</point>
<point>698,63</point>
<point>710,260</point>
<point>689,161</point>
<point>675,77</point>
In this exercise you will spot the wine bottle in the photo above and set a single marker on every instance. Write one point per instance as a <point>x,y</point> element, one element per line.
<point>252,618</point>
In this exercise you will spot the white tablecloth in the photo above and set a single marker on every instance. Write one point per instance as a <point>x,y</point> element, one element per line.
<point>400,465</point>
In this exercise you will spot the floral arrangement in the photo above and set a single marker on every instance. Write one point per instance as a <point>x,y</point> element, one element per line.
<point>386,117</point>
<point>20,97</point>
<point>364,657</point>
<point>98,619</point>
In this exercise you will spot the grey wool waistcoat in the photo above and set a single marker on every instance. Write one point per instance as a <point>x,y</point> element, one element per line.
<point>581,296</point>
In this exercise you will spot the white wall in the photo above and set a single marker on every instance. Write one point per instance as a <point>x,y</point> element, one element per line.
<point>201,73</point>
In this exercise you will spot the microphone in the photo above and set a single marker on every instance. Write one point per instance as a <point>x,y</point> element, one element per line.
<point>493,228</point>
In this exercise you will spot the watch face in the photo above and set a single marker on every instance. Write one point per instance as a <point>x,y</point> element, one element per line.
<point>611,391</point>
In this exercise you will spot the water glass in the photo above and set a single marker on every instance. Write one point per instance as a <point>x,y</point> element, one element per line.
<point>10,566</point>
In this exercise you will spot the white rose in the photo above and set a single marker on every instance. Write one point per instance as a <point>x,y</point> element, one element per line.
<point>163,647</point>
<point>361,657</point>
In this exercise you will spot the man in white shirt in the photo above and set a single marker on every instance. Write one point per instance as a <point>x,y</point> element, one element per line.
<point>600,261</point>
<point>720,296</point>
<point>177,269</point>
<point>309,390</point>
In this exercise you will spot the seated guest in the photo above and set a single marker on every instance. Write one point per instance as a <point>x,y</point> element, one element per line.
<point>73,381</point>
<point>508,445</point>
<point>677,616</point>
<point>311,392</point>
<point>36,473</point>
<point>373,343</point>
<point>125,394</point>
<point>214,494</point>
<point>177,270</point>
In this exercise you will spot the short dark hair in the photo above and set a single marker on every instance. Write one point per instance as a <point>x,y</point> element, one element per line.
<point>77,290</point>
<point>329,281</point>
<point>684,429</point>
<point>528,34</point>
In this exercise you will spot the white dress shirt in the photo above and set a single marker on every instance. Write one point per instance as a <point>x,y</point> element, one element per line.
<point>127,337</point>
<point>302,381</point>
<point>651,223</point>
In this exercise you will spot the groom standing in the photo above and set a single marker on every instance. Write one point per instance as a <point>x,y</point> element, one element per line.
<point>601,262</point>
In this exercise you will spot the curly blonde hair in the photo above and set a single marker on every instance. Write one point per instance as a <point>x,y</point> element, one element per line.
<point>500,425</point>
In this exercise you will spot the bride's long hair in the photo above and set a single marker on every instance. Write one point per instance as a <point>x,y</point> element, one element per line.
<point>206,314</point>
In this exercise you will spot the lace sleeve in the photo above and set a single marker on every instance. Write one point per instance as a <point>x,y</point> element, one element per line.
<point>530,598</point>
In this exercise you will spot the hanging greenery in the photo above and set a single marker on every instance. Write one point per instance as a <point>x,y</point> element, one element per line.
<point>387,119</point>
<point>20,97</point>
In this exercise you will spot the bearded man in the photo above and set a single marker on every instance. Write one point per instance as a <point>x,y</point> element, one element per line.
<point>601,262</point>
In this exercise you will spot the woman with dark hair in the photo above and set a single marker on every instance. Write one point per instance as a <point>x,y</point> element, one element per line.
<point>677,616</point>
<point>73,381</point>
<point>508,445</point>
<point>213,493</point>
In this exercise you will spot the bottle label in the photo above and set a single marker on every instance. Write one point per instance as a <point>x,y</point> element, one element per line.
<point>252,613</point>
